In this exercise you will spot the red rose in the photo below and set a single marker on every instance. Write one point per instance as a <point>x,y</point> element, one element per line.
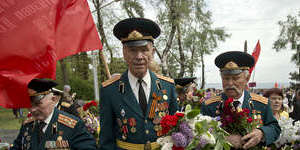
<point>168,122</point>
<point>179,115</point>
<point>228,101</point>
<point>177,148</point>
<point>249,120</point>
<point>93,103</point>
<point>29,115</point>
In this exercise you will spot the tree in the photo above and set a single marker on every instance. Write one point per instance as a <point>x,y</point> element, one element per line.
<point>191,27</point>
<point>289,39</point>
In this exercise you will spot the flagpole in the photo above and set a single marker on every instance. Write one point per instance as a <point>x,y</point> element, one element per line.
<point>96,86</point>
<point>102,57</point>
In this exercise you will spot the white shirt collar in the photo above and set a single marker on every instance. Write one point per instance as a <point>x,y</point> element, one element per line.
<point>133,81</point>
<point>241,99</point>
<point>47,120</point>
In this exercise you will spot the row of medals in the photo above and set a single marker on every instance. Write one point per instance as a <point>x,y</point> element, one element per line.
<point>161,109</point>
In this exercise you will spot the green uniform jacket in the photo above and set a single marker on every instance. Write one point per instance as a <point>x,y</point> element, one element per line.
<point>121,117</point>
<point>270,127</point>
<point>74,136</point>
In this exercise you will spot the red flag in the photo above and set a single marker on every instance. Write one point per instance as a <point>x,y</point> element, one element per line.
<point>255,54</point>
<point>34,34</point>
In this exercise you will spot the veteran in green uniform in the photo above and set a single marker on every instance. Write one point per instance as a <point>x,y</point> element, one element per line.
<point>132,104</point>
<point>234,69</point>
<point>50,128</point>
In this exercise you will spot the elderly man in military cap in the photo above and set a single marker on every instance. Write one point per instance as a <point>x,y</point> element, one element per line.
<point>132,104</point>
<point>50,128</point>
<point>234,66</point>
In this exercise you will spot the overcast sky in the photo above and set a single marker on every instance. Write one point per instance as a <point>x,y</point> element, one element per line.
<point>252,20</point>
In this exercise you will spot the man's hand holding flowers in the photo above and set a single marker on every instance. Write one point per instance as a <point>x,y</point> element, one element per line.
<point>252,139</point>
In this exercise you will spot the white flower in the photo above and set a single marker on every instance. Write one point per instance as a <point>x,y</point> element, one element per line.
<point>289,132</point>
<point>167,146</point>
<point>209,138</point>
<point>163,140</point>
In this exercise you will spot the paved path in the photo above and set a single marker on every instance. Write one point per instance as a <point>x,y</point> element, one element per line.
<point>8,136</point>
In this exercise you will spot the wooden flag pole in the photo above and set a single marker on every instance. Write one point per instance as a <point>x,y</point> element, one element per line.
<point>102,57</point>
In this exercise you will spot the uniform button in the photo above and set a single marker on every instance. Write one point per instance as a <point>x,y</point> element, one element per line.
<point>146,121</point>
<point>147,131</point>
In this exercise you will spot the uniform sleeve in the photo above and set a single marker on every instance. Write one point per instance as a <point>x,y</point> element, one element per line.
<point>82,139</point>
<point>106,137</point>
<point>17,145</point>
<point>271,128</point>
<point>173,106</point>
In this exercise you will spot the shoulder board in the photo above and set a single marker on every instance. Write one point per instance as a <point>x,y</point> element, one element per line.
<point>259,98</point>
<point>67,121</point>
<point>28,120</point>
<point>213,100</point>
<point>65,104</point>
<point>164,78</point>
<point>111,80</point>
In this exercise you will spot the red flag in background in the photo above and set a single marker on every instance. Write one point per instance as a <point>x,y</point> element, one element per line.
<point>255,54</point>
<point>34,34</point>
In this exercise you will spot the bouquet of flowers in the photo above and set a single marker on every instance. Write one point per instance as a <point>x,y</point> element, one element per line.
<point>90,116</point>
<point>191,130</point>
<point>238,121</point>
<point>290,134</point>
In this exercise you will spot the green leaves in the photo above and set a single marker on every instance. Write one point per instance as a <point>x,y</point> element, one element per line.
<point>192,114</point>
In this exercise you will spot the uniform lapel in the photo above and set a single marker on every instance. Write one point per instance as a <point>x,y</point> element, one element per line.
<point>154,89</point>
<point>49,131</point>
<point>129,97</point>
<point>247,98</point>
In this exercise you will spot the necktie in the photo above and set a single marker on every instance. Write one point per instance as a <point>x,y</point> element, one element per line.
<point>236,104</point>
<point>142,97</point>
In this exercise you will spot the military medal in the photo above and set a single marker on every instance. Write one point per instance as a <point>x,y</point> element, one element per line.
<point>123,113</point>
<point>132,123</point>
<point>54,128</point>
<point>165,97</point>
<point>124,121</point>
<point>156,120</point>
<point>164,91</point>
<point>59,138</point>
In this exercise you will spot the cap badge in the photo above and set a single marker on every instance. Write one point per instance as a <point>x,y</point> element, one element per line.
<point>231,65</point>
<point>134,35</point>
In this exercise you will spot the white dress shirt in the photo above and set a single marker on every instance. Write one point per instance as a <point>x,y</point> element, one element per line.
<point>134,84</point>
<point>241,100</point>
<point>47,121</point>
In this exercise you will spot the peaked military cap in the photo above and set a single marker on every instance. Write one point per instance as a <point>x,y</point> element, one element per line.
<point>39,88</point>
<point>184,81</point>
<point>136,31</point>
<point>234,62</point>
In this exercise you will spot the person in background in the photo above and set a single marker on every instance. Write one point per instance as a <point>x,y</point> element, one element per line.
<point>18,112</point>
<point>295,114</point>
<point>184,88</point>
<point>128,102</point>
<point>50,128</point>
<point>275,96</point>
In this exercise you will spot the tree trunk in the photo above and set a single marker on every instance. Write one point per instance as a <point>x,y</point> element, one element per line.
<point>164,56</point>
<point>101,29</point>
<point>202,69</point>
<point>63,68</point>
<point>181,54</point>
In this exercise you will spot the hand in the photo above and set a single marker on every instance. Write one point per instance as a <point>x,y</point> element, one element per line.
<point>235,140</point>
<point>252,139</point>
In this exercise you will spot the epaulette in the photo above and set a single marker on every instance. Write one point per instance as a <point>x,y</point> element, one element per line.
<point>28,120</point>
<point>259,98</point>
<point>164,78</point>
<point>111,80</point>
<point>65,104</point>
<point>67,121</point>
<point>213,100</point>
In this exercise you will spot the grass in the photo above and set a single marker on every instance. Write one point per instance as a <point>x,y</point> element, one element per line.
<point>8,120</point>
